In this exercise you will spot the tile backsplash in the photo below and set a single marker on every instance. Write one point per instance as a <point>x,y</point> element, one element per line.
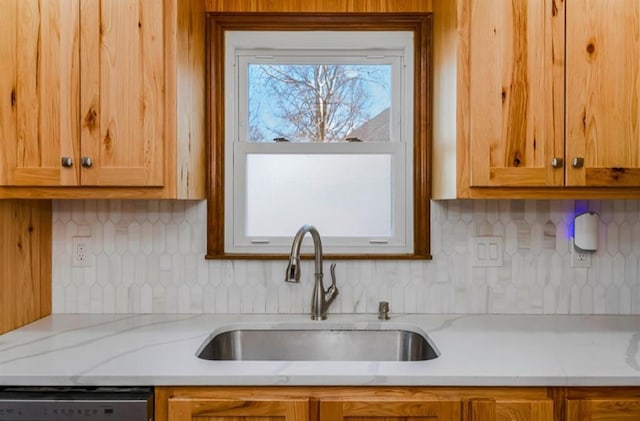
<point>148,257</point>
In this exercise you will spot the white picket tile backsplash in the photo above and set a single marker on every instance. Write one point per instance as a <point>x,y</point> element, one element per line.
<point>148,257</point>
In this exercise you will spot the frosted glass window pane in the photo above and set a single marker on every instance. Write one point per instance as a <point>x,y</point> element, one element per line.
<point>342,195</point>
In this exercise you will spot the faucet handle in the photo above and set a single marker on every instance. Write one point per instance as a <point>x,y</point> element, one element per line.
<point>332,269</point>
<point>331,292</point>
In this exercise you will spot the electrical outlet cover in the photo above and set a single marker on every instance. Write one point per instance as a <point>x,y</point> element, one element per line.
<point>580,259</point>
<point>81,252</point>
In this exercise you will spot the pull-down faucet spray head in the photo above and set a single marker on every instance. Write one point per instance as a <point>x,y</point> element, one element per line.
<point>293,270</point>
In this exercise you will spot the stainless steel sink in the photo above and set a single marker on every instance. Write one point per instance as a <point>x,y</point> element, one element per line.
<point>333,344</point>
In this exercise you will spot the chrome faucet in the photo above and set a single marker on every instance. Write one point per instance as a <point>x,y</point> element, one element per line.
<point>321,299</point>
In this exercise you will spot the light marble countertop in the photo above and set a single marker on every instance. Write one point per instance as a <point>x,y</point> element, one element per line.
<point>476,350</point>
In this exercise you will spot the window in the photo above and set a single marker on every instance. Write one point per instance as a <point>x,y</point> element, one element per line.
<point>317,125</point>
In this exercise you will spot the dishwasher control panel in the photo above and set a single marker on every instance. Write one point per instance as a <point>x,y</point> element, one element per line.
<point>76,404</point>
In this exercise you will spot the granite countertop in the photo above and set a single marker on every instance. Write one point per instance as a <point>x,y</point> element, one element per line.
<point>476,350</point>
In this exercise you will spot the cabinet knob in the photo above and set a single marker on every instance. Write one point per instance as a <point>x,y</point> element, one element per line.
<point>86,161</point>
<point>557,162</point>
<point>67,161</point>
<point>578,162</point>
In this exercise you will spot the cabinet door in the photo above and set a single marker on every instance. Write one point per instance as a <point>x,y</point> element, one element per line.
<point>389,410</point>
<point>512,410</point>
<point>122,92</point>
<point>39,52</point>
<point>516,92</point>
<point>603,410</point>
<point>204,409</point>
<point>603,92</point>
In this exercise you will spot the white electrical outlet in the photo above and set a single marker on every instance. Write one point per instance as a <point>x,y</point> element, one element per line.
<point>81,252</point>
<point>580,259</point>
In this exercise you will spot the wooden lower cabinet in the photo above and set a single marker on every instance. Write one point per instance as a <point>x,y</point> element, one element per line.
<point>394,409</point>
<point>397,404</point>
<point>212,409</point>
<point>603,410</point>
<point>602,404</point>
<point>511,410</point>
<point>352,404</point>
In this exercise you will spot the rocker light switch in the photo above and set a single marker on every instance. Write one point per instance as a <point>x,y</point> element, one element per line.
<point>487,251</point>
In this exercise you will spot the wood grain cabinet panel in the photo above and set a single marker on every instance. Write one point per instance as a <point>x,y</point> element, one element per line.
<point>25,262</point>
<point>39,90</point>
<point>90,91</point>
<point>397,404</point>
<point>603,93</point>
<point>304,404</point>
<point>603,409</point>
<point>122,88</point>
<point>515,93</point>
<point>390,410</point>
<point>511,410</point>
<point>104,98</point>
<point>203,409</point>
<point>548,99</point>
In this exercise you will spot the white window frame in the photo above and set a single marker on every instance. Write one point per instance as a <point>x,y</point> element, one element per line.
<point>372,47</point>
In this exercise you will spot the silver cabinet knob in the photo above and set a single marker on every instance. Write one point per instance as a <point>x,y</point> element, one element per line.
<point>557,162</point>
<point>86,161</point>
<point>578,162</point>
<point>67,161</point>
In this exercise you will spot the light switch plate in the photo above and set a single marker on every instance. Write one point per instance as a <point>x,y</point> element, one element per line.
<point>487,251</point>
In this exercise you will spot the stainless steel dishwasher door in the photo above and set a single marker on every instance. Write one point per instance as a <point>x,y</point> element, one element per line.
<point>76,403</point>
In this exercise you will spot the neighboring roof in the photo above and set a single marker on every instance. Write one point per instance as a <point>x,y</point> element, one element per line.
<point>375,129</point>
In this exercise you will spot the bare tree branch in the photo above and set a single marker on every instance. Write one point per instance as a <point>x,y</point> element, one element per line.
<point>318,102</point>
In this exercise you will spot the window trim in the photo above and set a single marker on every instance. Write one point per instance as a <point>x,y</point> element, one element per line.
<point>219,23</point>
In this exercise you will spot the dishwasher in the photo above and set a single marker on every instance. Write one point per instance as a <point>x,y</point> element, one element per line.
<point>44,403</point>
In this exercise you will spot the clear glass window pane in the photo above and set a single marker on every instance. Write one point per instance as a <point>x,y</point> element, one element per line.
<point>342,195</point>
<point>319,102</point>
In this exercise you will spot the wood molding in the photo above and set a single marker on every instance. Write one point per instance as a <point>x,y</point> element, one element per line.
<point>320,6</point>
<point>558,193</point>
<point>419,24</point>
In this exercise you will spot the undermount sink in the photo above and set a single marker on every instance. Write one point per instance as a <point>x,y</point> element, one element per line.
<point>318,344</point>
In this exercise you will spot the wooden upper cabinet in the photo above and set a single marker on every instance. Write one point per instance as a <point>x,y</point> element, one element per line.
<point>603,92</point>
<point>39,91</point>
<point>511,410</point>
<point>547,99</point>
<point>102,98</point>
<point>607,409</point>
<point>516,84</point>
<point>386,409</point>
<point>85,85</point>
<point>210,409</point>
<point>121,93</point>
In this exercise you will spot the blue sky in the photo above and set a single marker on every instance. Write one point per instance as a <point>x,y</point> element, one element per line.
<point>262,110</point>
